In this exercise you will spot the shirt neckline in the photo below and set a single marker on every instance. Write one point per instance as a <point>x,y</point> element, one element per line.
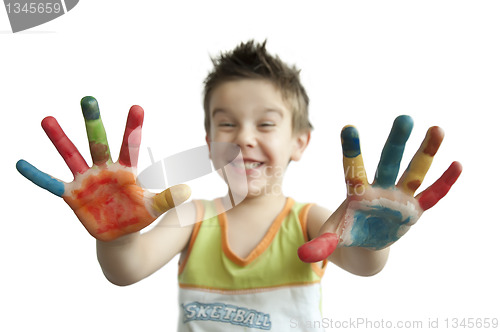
<point>262,245</point>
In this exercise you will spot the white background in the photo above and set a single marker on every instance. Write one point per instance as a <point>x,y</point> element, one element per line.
<point>363,63</point>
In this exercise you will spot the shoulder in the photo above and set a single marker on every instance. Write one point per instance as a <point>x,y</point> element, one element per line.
<point>312,217</point>
<point>317,216</point>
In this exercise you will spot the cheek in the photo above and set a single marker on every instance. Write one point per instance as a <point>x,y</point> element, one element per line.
<point>275,147</point>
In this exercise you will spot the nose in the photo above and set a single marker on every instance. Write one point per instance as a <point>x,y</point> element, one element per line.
<point>246,137</point>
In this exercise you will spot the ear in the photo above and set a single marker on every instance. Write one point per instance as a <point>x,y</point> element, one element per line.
<point>209,142</point>
<point>207,139</point>
<point>301,141</point>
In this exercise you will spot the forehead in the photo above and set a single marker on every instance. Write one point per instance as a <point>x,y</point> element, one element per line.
<point>247,93</point>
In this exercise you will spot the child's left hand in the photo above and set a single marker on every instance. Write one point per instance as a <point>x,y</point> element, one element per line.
<point>376,215</point>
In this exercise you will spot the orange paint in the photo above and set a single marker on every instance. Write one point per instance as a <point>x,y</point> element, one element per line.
<point>413,185</point>
<point>99,152</point>
<point>435,139</point>
<point>110,205</point>
<point>353,182</point>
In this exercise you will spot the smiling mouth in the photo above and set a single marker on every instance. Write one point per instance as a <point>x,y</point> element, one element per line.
<point>247,165</point>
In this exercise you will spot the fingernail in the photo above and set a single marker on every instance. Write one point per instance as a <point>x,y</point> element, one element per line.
<point>350,142</point>
<point>90,108</point>
<point>180,193</point>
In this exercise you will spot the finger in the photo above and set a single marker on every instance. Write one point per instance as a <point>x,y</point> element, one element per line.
<point>327,240</point>
<point>319,248</point>
<point>354,169</point>
<point>170,198</point>
<point>99,149</point>
<point>414,175</point>
<point>40,178</point>
<point>64,146</point>
<point>129,152</point>
<point>388,167</point>
<point>429,197</point>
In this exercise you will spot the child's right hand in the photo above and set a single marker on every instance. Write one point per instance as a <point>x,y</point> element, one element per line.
<point>105,197</point>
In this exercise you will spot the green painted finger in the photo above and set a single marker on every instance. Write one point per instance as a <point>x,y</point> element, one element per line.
<point>99,149</point>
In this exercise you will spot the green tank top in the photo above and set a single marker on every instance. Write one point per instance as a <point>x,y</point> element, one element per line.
<point>211,264</point>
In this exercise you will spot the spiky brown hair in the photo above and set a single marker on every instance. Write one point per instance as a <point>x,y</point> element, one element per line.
<point>251,60</point>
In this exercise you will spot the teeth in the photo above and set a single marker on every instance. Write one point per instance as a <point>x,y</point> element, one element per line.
<point>247,165</point>
<point>252,165</point>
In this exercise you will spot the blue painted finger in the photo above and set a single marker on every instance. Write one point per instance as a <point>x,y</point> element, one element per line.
<point>390,160</point>
<point>40,178</point>
<point>350,142</point>
<point>354,169</point>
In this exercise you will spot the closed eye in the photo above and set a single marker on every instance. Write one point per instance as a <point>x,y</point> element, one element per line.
<point>226,124</point>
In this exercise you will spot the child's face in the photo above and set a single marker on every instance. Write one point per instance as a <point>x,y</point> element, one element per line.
<point>252,114</point>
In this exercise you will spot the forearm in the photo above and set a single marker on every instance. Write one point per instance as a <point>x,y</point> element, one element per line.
<point>133,257</point>
<point>121,260</point>
<point>360,261</point>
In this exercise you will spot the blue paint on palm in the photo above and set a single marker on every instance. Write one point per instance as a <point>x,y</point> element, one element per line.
<point>376,228</point>
<point>40,178</point>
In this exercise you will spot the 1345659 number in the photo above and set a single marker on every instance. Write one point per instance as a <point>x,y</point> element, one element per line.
<point>34,8</point>
<point>471,323</point>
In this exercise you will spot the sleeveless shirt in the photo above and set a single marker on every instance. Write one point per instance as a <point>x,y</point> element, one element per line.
<point>269,290</point>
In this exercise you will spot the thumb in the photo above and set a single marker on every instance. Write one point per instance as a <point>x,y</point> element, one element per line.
<point>170,198</point>
<point>319,248</point>
<point>326,242</point>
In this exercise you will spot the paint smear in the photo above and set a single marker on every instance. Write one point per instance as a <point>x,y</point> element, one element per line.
<point>109,205</point>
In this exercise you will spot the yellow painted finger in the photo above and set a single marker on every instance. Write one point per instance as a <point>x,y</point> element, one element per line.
<point>414,175</point>
<point>354,169</point>
<point>170,198</point>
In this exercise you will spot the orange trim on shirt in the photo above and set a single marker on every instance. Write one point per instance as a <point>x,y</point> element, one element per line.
<point>200,211</point>
<point>303,220</point>
<point>263,244</point>
<point>316,267</point>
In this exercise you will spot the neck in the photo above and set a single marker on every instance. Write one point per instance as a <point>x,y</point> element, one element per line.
<point>260,201</point>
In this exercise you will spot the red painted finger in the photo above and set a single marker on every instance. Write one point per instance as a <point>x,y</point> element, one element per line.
<point>319,248</point>
<point>430,196</point>
<point>129,152</point>
<point>64,146</point>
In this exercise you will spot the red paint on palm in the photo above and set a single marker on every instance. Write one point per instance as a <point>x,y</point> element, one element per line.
<point>110,204</point>
<point>319,248</point>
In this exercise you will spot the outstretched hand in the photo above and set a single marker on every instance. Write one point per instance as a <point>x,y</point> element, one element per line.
<point>105,197</point>
<point>376,215</point>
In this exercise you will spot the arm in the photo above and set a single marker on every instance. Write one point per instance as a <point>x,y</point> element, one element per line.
<point>110,203</point>
<point>376,215</point>
<point>356,260</point>
<point>133,257</point>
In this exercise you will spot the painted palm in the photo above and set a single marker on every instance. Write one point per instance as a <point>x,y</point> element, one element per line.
<point>376,215</point>
<point>105,197</point>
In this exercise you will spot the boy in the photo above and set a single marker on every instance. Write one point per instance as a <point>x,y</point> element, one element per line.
<point>239,269</point>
